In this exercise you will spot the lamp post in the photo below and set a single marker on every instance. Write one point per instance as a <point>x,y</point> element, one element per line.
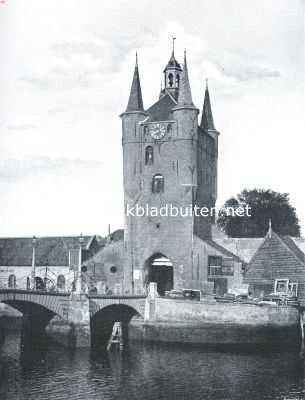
<point>192,185</point>
<point>33,271</point>
<point>78,288</point>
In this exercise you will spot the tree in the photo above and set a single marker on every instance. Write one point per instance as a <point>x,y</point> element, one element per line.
<point>264,205</point>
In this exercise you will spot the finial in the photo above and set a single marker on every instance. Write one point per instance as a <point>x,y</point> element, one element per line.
<point>136,59</point>
<point>206,84</point>
<point>173,39</point>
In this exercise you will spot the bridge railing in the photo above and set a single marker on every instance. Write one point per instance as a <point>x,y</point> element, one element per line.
<point>36,291</point>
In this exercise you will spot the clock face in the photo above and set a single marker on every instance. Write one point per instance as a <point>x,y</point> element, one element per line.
<point>157,131</point>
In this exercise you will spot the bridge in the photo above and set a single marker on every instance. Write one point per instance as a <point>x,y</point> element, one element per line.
<point>86,318</point>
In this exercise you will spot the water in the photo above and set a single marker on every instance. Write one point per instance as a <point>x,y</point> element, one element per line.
<point>146,372</point>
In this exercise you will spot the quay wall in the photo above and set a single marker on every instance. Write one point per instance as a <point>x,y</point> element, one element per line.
<point>195,312</point>
<point>211,323</point>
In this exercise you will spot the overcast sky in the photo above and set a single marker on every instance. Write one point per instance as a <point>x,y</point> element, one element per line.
<point>65,74</point>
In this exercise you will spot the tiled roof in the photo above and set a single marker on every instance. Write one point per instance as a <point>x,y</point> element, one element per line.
<point>161,110</point>
<point>223,250</point>
<point>290,243</point>
<point>53,251</point>
<point>300,242</point>
<point>244,248</point>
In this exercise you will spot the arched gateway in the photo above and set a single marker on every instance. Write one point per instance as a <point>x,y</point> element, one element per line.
<point>159,269</point>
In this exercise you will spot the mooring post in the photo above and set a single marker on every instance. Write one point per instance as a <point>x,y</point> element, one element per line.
<point>150,302</point>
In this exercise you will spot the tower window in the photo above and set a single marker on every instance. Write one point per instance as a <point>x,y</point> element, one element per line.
<point>169,128</point>
<point>149,155</point>
<point>177,80</point>
<point>170,80</point>
<point>158,184</point>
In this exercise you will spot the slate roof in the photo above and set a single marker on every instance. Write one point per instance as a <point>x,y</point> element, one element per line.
<point>173,63</point>
<point>51,250</point>
<point>207,121</point>
<point>161,110</point>
<point>135,101</point>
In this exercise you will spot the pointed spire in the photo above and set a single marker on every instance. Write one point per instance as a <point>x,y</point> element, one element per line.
<point>207,121</point>
<point>135,102</point>
<point>185,94</point>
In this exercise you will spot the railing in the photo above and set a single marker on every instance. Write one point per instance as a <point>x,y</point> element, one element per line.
<point>36,291</point>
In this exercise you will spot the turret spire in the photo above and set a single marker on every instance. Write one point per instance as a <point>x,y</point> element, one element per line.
<point>135,102</point>
<point>207,121</point>
<point>185,95</point>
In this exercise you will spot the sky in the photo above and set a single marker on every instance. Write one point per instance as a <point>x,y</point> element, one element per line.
<point>65,75</point>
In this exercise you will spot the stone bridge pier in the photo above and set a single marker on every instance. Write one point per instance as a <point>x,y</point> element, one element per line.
<point>74,330</point>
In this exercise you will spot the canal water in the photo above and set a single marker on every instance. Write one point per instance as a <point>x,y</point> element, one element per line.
<point>146,372</point>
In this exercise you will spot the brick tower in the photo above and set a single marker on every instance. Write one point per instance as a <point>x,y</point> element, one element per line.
<point>168,159</point>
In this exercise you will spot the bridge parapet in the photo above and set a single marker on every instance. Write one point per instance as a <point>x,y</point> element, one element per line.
<point>55,302</point>
<point>99,302</point>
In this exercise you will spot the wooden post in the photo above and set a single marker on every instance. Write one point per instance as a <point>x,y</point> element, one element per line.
<point>302,332</point>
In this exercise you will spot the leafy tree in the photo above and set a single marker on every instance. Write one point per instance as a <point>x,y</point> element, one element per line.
<point>264,205</point>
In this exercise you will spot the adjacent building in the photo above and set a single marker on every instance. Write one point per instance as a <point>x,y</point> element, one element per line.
<point>53,260</point>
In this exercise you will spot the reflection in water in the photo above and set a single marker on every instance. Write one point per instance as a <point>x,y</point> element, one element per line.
<point>150,372</point>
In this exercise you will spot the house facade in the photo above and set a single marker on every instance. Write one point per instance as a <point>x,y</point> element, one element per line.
<point>55,261</point>
<point>278,265</point>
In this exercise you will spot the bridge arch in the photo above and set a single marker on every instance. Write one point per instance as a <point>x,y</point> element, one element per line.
<point>37,309</point>
<point>21,300</point>
<point>104,316</point>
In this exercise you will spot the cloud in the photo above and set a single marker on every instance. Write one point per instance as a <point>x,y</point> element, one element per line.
<point>250,72</point>
<point>19,169</point>
<point>21,127</point>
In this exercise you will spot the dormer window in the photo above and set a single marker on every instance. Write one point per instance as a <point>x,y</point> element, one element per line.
<point>158,184</point>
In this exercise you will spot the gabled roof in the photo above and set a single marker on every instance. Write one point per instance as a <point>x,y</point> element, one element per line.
<point>289,242</point>
<point>223,250</point>
<point>53,251</point>
<point>244,248</point>
<point>162,109</point>
<point>300,242</point>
